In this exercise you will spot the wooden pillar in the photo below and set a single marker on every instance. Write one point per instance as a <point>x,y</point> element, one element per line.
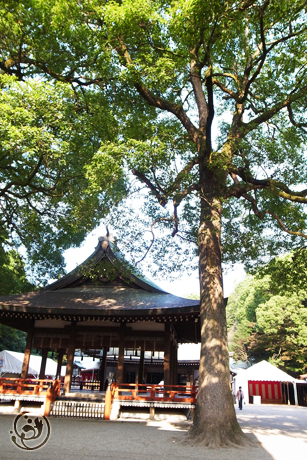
<point>191,372</point>
<point>288,394</point>
<point>175,365</point>
<point>171,363</point>
<point>60,361</point>
<point>295,393</point>
<point>26,358</point>
<point>167,352</point>
<point>141,367</point>
<point>43,363</point>
<point>70,358</point>
<point>120,362</point>
<point>103,367</point>
<point>108,403</point>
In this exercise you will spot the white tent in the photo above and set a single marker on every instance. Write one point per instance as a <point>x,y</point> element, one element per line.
<point>264,372</point>
<point>267,372</point>
<point>11,363</point>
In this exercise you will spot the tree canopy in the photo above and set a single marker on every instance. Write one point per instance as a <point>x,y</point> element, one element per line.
<point>162,66</point>
<point>242,59</point>
<point>46,142</point>
<point>207,104</point>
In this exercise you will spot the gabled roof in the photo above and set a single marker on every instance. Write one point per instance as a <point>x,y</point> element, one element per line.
<point>104,252</point>
<point>104,285</point>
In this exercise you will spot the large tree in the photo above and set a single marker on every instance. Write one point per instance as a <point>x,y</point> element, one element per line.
<point>169,69</point>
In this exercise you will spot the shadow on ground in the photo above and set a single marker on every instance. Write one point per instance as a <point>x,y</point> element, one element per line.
<point>75,439</point>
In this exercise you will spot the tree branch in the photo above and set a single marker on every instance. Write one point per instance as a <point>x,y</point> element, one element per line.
<point>239,189</point>
<point>181,174</point>
<point>226,75</point>
<point>195,77</point>
<point>157,101</point>
<point>210,105</point>
<point>226,90</point>
<point>162,199</point>
<point>294,123</point>
<point>285,229</point>
<point>25,182</point>
<point>262,60</point>
<point>268,114</point>
<point>153,235</point>
<point>156,180</point>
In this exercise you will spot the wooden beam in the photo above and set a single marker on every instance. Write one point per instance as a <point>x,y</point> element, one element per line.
<point>171,362</point>
<point>141,366</point>
<point>175,364</point>
<point>17,323</point>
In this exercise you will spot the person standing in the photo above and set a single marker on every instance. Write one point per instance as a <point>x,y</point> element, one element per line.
<point>240,397</point>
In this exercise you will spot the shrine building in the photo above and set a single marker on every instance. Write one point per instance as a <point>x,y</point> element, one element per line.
<point>104,303</point>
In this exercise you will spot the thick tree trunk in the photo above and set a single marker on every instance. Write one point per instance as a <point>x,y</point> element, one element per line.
<point>215,423</point>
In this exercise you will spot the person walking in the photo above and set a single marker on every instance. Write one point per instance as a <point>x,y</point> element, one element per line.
<point>240,397</point>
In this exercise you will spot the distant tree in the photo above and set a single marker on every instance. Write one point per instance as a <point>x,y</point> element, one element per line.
<point>267,320</point>
<point>12,281</point>
<point>12,339</point>
<point>13,277</point>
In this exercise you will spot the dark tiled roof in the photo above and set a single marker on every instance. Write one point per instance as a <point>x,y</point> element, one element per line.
<point>76,293</point>
<point>106,301</point>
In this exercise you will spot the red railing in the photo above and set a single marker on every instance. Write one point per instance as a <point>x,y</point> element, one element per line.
<point>144,392</point>
<point>48,389</point>
<point>30,387</point>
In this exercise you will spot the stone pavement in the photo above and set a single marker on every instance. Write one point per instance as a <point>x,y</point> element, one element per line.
<point>280,433</point>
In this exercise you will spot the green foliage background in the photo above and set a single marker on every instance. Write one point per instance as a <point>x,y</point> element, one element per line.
<point>12,281</point>
<point>267,315</point>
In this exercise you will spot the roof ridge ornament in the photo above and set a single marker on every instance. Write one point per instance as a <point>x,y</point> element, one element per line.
<point>105,240</point>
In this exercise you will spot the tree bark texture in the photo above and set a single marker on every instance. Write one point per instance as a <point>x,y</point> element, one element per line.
<point>215,423</point>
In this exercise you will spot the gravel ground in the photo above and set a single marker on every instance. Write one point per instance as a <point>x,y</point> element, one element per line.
<point>280,433</point>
